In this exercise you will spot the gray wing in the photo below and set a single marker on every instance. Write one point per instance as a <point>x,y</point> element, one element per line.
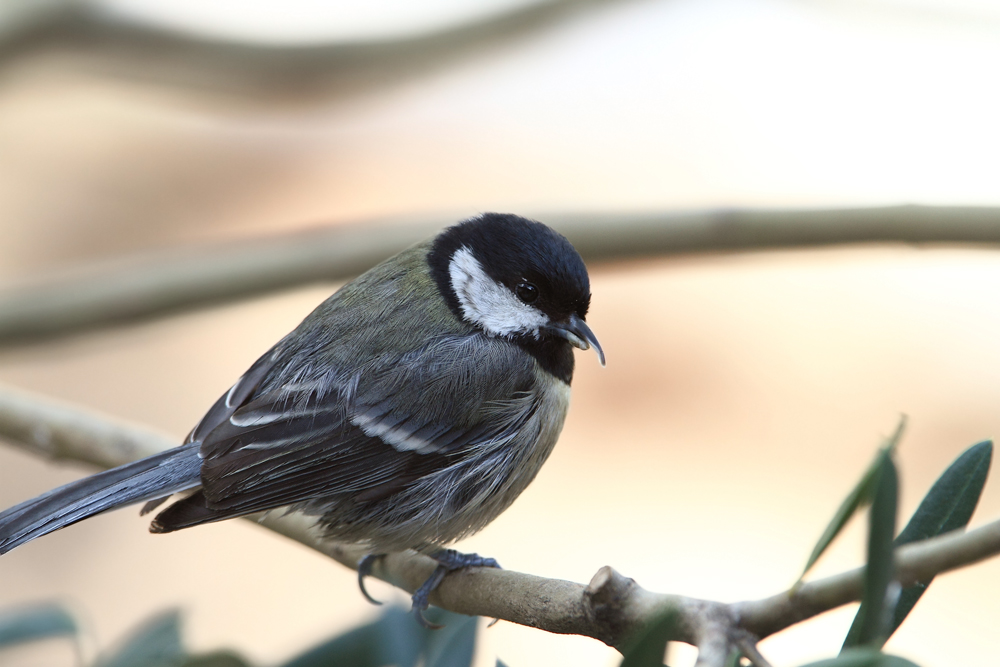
<point>236,397</point>
<point>367,434</point>
<point>224,408</point>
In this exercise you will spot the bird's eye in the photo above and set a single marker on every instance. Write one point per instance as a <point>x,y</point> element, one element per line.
<point>526,292</point>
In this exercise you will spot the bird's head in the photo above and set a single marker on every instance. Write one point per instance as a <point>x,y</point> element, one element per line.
<point>514,278</point>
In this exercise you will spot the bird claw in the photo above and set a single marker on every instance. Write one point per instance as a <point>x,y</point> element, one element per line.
<point>421,596</point>
<point>424,623</point>
<point>365,569</point>
<point>448,560</point>
<point>456,560</point>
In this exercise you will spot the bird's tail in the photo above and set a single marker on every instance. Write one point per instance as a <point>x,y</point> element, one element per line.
<point>152,477</point>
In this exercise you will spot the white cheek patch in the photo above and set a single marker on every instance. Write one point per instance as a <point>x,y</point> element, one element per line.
<point>488,303</point>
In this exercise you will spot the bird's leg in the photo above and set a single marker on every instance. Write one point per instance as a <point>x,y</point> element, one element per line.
<point>364,569</point>
<point>448,560</point>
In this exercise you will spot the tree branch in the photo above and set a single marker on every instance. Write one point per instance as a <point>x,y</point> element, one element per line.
<point>93,38</point>
<point>611,608</point>
<point>159,284</point>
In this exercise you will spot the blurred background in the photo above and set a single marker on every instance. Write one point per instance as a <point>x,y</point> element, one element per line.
<point>744,393</point>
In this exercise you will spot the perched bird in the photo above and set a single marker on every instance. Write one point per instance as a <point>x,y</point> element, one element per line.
<point>407,411</point>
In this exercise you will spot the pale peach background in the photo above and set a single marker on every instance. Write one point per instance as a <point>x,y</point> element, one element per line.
<point>743,395</point>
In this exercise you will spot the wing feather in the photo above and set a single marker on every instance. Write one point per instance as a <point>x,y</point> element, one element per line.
<point>369,434</point>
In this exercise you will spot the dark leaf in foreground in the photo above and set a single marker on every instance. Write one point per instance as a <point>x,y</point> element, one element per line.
<point>357,648</point>
<point>454,644</point>
<point>859,496</point>
<point>874,615</point>
<point>217,659</point>
<point>863,657</point>
<point>157,643</point>
<point>948,506</point>
<point>397,639</point>
<point>29,624</point>
<point>649,645</point>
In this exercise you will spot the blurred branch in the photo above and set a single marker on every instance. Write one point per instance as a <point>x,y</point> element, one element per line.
<point>610,608</point>
<point>159,284</point>
<point>91,37</point>
<point>56,431</point>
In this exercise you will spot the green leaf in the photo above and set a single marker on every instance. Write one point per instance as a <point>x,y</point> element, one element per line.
<point>733,659</point>
<point>859,497</point>
<point>873,626</point>
<point>396,639</point>
<point>649,645</point>
<point>216,659</point>
<point>400,640</point>
<point>454,644</point>
<point>863,657</point>
<point>948,506</point>
<point>29,624</point>
<point>157,643</point>
<point>358,648</point>
<point>953,497</point>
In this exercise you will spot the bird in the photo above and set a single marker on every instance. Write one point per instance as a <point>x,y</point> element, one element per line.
<point>407,411</point>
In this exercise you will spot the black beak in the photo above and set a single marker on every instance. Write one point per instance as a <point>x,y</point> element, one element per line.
<point>578,334</point>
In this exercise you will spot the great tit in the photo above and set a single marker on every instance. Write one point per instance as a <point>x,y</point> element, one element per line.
<point>407,411</point>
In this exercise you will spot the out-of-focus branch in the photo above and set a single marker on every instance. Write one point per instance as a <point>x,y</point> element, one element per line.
<point>62,432</point>
<point>156,285</point>
<point>97,40</point>
<point>610,608</point>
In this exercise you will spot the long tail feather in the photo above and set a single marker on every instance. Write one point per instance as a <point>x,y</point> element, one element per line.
<point>152,477</point>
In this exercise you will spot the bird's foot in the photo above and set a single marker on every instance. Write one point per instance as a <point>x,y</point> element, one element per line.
<point>365,569</point>
<point>448,560</point>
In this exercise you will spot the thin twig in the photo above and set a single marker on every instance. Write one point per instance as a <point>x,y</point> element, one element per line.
<point>916,562</point>
<point>160,284</point>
